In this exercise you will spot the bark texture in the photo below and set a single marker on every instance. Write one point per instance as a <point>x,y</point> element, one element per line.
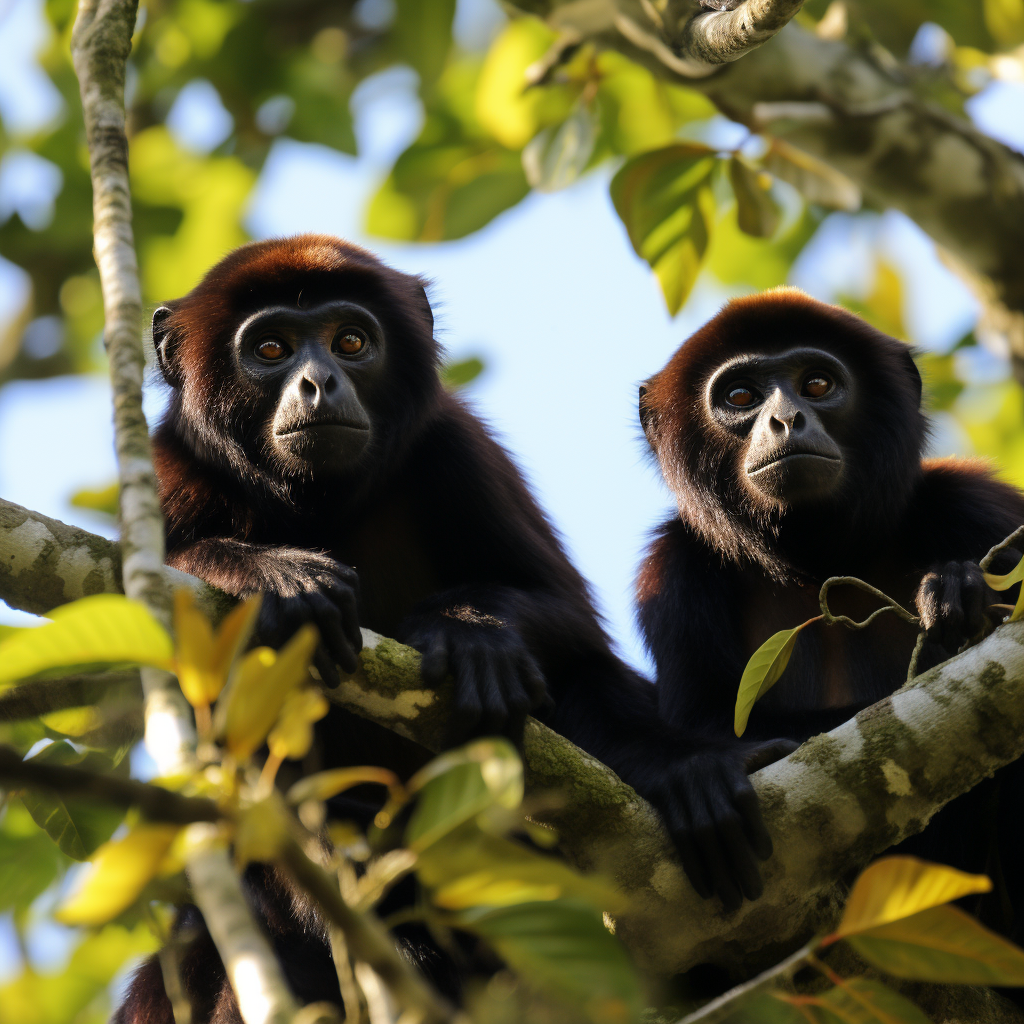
<point>838,801</point>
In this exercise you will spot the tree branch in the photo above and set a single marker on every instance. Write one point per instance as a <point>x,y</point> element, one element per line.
<point>838,801</point>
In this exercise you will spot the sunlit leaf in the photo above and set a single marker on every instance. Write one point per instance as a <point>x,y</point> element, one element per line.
<point>555,157</point>
<point>77,826</point>
<point>259,686</point>
<point>292,736</point>
<point>203,657</point>
<point>1005,20</point>
<point>462,783</point>
<point>898,887</point>
<point>942,945</point>
<point>105,629</point>
<point>665,201</point>
<point>423,35</point>
<point>505,107</point>
<point>757,212</point>
<point>75,721</point>
<point>324,785</point>
<point>563,949</point>
<point>472,867</point>
<point>815,180</point>
<point>120,871</point>
<point>1013,577</point>
<point>103,499</point>
<point>763,670</point>
<point>458,375</point>
<point>261,830</point>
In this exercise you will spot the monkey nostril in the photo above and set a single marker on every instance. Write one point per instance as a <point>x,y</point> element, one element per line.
<point>307,388</point>
<point>778,426</point>
<point>799,421</point>
<point>330,384</point>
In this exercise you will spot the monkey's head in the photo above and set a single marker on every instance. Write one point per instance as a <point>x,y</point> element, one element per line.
<point>782,407</point>
<point>298,357</point>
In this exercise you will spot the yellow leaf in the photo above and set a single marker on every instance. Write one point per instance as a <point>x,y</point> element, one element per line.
<point>73,721</point>
<point>293,735</point>
<point>1014,576</point>
<point>120,871</point>
<point>261,831</point>
<point>258,690</point>
<point>763,670</point>
<point>942,945</point>
<point>204,658</point>
<point>105,629</point>
<point>485,889</point>
<point>898,887</point>
<point>324,785</point>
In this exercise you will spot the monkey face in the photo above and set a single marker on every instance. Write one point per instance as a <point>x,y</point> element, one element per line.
<point>785,412</point>
<point>311,373</point>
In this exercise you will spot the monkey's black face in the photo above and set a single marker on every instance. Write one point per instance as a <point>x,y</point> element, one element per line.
<point>312,371</point>
<point>786,411</point>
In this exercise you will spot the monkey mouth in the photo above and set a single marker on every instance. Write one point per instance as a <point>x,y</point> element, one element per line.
<point>315,425</point>
<point>794,460</point>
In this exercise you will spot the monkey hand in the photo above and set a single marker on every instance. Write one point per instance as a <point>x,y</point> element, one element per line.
<point>714,817</point>
<point>305,586</point>
<point>951,601</point>
<point>497,681</point>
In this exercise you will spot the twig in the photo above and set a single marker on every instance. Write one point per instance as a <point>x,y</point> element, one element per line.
<point>845,620</point>
<point>100,44</point>
<point>366,939</point>
<point>987,561</point>
<point>155,802</point>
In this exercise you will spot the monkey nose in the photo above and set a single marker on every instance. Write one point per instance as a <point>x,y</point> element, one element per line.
<point>314,388</point>
<point>786,422</point>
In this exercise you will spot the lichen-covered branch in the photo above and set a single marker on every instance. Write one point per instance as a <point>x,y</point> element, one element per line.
<point>839,800</point>
<point>852,106</point>
<point>100,44</point>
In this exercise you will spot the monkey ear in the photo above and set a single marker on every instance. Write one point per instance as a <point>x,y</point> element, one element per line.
<point>165,342</point>
<point>428,313</point>
<point>646,414</point>
<point>913,373</point>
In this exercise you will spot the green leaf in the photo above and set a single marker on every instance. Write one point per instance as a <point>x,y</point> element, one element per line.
<point>763,670</point>
<point>814,179</point>
<point>862,1001</point>
<point>458,375</point>
<point>105,629</point>
<point>756,211</point>
<point>460,784</point>
<point>423,36</point>
<point>470,867</point>
<point>29,861</point>
<point>665,201</point>
<point>77,826</point>
<point>563,949</point>
<point>102,499</point>
<point>942,945</point>
<point>555,157</point>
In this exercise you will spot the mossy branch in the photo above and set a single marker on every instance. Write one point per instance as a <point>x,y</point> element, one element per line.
<point>838,801</point>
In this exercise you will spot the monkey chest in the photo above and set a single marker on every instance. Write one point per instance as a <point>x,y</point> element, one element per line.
<point>831,666</point>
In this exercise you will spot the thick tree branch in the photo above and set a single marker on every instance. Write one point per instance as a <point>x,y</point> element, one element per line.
<point>855,108</point>
<point>841,799</point>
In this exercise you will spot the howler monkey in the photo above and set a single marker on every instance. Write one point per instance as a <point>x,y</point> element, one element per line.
<point>310,451</point>
<point>790,433</point>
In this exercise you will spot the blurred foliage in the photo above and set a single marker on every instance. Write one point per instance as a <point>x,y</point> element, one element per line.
<point>462,837</point>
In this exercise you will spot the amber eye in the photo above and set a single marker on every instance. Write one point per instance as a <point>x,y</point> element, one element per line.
<point>817,386</point>
<point>741,397</point>
<point>349,341</point>
<point>272,349</point>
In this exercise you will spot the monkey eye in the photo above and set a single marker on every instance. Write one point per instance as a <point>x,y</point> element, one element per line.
<point>817,386</point>
<point>348,341</point>
<point>272,349</point>
<point>742,397</point>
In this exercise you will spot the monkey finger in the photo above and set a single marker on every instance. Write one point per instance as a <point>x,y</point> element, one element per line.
<point>748,807</point>
<point>332,634</point>
<point>434,661</point>
<point>347,604</point>
<point>678,823</point>
<point>534,682</point>
<point>325,665</point>
<point>493,710</point>
<point>768,753</point>
<point>718,864</point>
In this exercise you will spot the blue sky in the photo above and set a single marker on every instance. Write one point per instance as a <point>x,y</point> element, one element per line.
<point>550,294</point>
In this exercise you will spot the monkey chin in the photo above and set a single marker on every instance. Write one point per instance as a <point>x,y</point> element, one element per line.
<point>331,448</point>
<point>799,479</point>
